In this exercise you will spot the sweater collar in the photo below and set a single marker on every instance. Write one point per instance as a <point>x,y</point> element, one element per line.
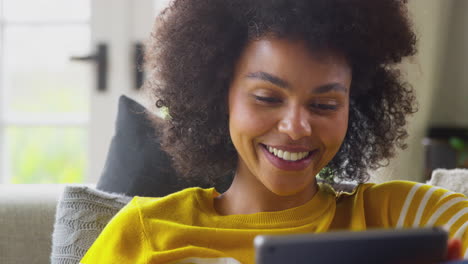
<point>321,208</point>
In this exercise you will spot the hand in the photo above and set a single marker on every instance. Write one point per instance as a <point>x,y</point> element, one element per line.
<point>454,250</point>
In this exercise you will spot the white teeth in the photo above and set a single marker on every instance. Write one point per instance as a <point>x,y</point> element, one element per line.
<point>294,156</point>
<point>286,155</point>
<point>280,154</point>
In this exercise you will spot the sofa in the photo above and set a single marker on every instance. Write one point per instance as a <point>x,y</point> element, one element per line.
<point>28,214</point>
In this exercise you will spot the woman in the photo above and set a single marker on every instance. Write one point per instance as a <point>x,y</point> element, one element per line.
<point>277,92</point>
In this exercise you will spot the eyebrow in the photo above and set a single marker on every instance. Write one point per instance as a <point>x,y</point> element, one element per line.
<point>284,84</point>
<point>269,78</point>
<point>330,87</point>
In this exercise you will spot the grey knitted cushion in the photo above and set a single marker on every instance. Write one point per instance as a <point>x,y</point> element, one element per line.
<point>455,180</point>
<point>82,213</point>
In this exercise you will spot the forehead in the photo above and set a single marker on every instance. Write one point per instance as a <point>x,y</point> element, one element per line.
<point>293,61</point>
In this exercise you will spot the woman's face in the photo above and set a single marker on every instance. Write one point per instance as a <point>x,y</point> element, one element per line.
<point>288,113</point>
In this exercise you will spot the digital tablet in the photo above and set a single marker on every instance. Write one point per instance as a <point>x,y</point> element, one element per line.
<point>427,245</point>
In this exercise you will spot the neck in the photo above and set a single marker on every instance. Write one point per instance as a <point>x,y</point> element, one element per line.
<point>247,195</point>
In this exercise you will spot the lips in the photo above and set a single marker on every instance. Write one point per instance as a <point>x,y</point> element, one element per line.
<point>287,155</point>
<point>289,158</point>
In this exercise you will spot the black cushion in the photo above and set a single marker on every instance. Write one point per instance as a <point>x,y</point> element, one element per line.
<point>135,163</point>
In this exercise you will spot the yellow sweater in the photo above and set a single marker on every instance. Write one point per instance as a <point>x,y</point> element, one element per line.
<point>185,228</point>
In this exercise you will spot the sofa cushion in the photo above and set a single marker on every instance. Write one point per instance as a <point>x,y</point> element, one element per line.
<point>455,180</point>
<point>82,213</point>
<point>136,164</point>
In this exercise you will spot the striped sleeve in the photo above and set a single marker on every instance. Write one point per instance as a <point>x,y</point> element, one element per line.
<point>429,206</point>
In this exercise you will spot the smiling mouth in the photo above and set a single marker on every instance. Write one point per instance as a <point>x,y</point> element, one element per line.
<point>287,155</point>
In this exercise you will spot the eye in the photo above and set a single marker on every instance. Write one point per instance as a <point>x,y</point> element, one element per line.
<point>324,106</point>
<point>268,100</point>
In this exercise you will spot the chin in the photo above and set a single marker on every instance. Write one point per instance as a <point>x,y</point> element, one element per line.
<point>286,189</point>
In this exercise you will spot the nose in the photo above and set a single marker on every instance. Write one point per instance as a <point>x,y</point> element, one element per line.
<point>295,123</point>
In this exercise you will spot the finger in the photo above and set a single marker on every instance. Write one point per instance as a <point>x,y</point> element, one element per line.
<point>454,248</point>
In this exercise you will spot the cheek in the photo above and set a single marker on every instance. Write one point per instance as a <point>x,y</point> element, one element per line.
<point>334,132</point>
<point>246,122</point>
<point>342,127</point>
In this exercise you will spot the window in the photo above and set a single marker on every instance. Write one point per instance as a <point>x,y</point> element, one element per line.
<point>44,97</point>
<point>55,126</point>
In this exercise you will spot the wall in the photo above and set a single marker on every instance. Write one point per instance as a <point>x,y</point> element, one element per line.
<point>424,72</point>
<point>450,100</point>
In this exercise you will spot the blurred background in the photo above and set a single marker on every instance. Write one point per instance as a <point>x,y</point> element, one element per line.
<point>64,63</point>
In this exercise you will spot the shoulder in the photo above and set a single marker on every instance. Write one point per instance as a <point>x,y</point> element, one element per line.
<point>180,202</point>
<point>130,226</point>
<point>402,189</point>
<point>400,192</point>
<point>391,186</point>
<point>408,188</point>
<point>373,191</point>
<point>416,204</point>
<point>140,206</point>
<point>400,195</point>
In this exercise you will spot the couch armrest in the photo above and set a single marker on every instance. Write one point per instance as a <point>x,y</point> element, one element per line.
<point>27,215</point>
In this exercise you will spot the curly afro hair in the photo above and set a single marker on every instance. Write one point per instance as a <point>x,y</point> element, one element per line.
<point>196,43</point>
